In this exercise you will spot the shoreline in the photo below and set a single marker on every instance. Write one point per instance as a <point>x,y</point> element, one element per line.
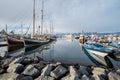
<point>18,68</point>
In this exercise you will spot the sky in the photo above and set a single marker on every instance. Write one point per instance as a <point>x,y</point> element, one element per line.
<point>66,15</point>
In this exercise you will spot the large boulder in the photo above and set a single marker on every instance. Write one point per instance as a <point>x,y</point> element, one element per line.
<point>2,70</point>
<point>26,61</point>
<point>73,71</point>
<point>97,77</point>
<point>74,78</point>
<point>84,77</point>
<point>23,77</point>
<point>66,77</point>
<point>83,70</point>
<point>70,77</point>
<point>99,71</point>
<point>113,76</point>
<point>45,78</point>
<point>3,54</point>
<point>31,71</point>
<point>39,66</point>
<point>5,63</point>
<point>8,76</point>
<point>58,71</point>
<point>18,68</point>
<point>17,60</point>
<point>46,71</point>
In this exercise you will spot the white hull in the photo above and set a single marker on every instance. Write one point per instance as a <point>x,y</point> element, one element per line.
<point>98,56</point>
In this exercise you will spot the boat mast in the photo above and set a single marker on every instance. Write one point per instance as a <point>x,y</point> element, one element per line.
<point>42,17</point>
<point>21,29</point>
<point>6,28</point>
<point>33,19</point>
<point>52,29</point>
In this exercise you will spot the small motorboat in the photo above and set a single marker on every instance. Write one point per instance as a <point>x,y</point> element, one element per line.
<point>97,47</point>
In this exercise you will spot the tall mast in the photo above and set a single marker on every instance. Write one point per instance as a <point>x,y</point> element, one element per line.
<point>33,19</point>
<point>42,17</point>
<point>21,29</point>
<point>52,28</point>
<point>6,28</point>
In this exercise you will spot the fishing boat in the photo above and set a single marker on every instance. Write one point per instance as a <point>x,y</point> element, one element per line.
<point>97,47</point>
<point>2,42</point>
<point>115,44</point>
<point>96,56</point>
<point>115,63</point>
<point>36,40</point>
<point>102,58</point>
<point>14,41</point>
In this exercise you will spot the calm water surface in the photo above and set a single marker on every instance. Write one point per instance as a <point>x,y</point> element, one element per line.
<point>62,50</point>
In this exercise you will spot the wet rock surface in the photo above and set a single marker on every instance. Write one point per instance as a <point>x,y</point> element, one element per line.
<point>58,71</point>
<point>31,71</point>
<point>24,68</point>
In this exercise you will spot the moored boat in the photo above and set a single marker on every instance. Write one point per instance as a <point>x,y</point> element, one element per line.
<point>97,47</point>
<point>34,42</point>
<point>14,41</point>
<point>2,42</point>
<point>96,56</point>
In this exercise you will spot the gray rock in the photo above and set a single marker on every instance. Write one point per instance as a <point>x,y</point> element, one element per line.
<point>22,77</point>
<point>66,77</point>
<point>74,78</point>
<point>8,76</point>
<point>46,71</point>
<point>73,71</point>
<point>99,71</point>
<point>26,61</point>
<point>56,64</point>
<point>17,60</point>
<point>58,71</point>
<point>3,54</point>
<point>45,78</point>
<point>84,77</point>
<point>18,68</point>
<point>2,71</point>
<point>97,77</point>
<point>83,71</point>
<point>39,66</point>
<point>118,71</point>
<point>113,76</point>
<point>5,63</point>
<point>31,71</point>
<point>69,77</point>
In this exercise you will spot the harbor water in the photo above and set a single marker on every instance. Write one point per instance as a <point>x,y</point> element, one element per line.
<point>67,51</point>
<point>62,50</point>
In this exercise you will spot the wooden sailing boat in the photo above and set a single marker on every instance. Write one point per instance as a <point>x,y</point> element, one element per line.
<point>12,40</point>
<point>36,40</point>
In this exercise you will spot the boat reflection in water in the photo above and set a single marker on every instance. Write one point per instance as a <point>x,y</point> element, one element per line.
<point>68,53</point>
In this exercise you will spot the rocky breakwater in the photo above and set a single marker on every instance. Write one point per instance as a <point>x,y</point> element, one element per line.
<point>25,68</point>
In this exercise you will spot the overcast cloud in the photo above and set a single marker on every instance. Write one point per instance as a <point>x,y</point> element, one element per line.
<point>67,15</point>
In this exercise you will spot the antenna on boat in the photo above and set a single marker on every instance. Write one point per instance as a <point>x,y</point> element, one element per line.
<point>33,19</point>
<point>42,19</point>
